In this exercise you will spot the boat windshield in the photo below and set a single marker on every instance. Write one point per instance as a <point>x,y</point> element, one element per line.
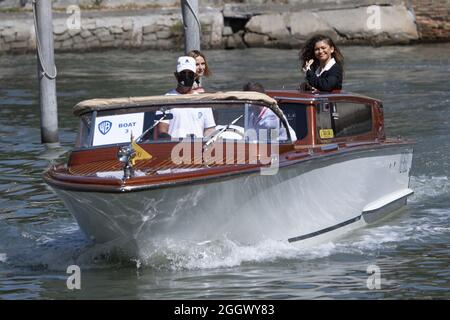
<point>247,122</point>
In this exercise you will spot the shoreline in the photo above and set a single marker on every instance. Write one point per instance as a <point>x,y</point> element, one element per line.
<point>232,26</point>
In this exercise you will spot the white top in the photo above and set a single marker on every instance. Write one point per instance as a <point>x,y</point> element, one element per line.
<point>187,121</point>
<point>328,66</point>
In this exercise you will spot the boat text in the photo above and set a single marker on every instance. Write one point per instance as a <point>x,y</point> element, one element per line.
<point>228,309</point>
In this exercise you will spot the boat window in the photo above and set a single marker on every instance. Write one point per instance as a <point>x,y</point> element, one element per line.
<point>343,119</point>
<point>262,124</point>
<point>296,116</point>
<point>84,133</point>
<point>237,121</point>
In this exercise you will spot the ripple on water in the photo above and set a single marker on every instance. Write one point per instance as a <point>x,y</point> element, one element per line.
<point>170,254</point>
<point>49,246</point>
<point>426,187</point>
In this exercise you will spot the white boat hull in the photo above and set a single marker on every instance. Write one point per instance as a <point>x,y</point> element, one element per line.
<point>305,203</point>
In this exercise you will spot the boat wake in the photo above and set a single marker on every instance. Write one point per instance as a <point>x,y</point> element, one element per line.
<point>215,254</point>
<point>412,224</point>
<point>176,255</point>
<point>426,187</point>
<point>57,249</point>
<point>362,243</point>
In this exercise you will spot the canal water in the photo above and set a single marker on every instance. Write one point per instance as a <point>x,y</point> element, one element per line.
<point>39,239</point>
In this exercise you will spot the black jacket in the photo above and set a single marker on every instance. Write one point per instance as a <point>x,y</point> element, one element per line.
<point>328,81</point>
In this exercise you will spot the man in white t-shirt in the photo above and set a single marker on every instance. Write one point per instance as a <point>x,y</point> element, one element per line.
<point>186,122</point>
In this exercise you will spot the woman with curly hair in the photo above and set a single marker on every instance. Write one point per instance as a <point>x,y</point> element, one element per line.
<point>322,63</point>
<point>202,69</point>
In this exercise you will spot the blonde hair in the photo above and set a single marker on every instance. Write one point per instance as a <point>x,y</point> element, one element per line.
<point>194,54</point>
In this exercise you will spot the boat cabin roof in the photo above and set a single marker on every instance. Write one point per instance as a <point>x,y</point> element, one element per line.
<point>316,96</point>
<point>130,102</point>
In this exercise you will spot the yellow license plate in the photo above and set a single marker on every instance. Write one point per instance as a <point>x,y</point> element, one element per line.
<point>326,133</point>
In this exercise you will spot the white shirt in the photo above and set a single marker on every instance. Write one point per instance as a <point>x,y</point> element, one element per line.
<point>327,67</point>
<point>187,121</point>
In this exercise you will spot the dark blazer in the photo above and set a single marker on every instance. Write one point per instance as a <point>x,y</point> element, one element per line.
<point>328,81</point>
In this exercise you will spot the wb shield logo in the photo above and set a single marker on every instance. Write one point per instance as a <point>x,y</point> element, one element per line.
<point>104,126</point>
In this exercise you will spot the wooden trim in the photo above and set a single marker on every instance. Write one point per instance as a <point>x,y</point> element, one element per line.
<point>60,176</point>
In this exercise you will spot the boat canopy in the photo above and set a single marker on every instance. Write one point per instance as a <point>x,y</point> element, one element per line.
<point>130,102</point>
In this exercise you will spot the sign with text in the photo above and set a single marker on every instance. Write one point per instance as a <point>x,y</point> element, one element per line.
<point>117,128</point>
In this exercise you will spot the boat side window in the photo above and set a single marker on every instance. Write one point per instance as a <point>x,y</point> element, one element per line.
<point>296,116</point>
<point>149,120</point>
<point>343,119</point>
<point>250,122</point>
<point>232,121</point>
<point>84,132</point>
<point>229,118</point>
<point>225,114</point>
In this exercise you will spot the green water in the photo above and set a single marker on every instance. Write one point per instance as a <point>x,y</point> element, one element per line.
<point>39,239</point>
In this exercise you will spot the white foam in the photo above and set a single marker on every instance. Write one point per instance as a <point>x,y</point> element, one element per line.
<point>3,257</point>
<point>170,254</point>
<point>69,228</point>
<point>425,187</point>
<point>55,253</point>
<point>372,239</point>
<point>44,239</point>
<point>225,253</point>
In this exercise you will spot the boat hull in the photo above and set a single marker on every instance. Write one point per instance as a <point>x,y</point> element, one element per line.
<point>306,202</point>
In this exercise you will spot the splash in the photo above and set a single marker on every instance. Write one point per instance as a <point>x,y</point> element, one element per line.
<point>413,228</point>
<point>175,255</point>
<point>428,187</point>
<point>224,253</point>
<point>63,244</point>
<point>371,240</point>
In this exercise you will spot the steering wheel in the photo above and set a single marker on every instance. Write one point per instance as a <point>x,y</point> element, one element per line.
<point>233,132</point>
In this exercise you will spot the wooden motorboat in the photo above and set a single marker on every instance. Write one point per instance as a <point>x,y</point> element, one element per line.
<point>324,169</point>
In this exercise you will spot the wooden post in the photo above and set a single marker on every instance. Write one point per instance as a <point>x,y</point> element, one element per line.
<point>46,70</point>
<point>191,22</point>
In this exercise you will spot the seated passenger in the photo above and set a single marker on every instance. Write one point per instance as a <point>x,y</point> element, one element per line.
<point>186,122</point>
<point>264,118</point>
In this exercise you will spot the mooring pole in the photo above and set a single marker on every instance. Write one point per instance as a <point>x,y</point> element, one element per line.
<point>191,22</point>
<point>46,70</point>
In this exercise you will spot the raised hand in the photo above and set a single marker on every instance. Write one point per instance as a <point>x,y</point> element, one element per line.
<point>308,65</point>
